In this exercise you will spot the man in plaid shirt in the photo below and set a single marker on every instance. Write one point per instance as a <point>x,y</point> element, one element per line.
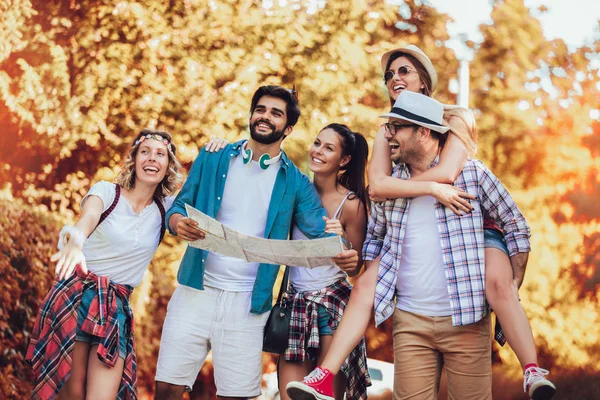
<point>432,262</point>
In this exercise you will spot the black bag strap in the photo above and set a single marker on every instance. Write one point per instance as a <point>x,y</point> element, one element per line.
<point>284,284</point>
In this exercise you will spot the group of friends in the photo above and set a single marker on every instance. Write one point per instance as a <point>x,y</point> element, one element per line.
<point>441,241</point>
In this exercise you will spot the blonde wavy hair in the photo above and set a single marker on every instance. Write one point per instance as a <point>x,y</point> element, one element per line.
<point>461,122</point>
<point>172,179</point>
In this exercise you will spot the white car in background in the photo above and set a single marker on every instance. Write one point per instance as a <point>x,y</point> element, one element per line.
<point>382,381</point>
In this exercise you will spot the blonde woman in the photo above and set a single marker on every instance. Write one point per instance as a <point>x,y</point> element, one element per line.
<point>82,344</point>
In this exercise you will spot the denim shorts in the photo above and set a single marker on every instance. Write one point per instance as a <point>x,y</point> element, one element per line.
<point>86,300</point>
<point>323,322</point>
<point>494,239</point>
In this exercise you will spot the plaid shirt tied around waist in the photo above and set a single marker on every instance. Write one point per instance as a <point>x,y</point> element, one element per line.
<point>304,333</point>
<point>50,350</point>
<point>461,237</point>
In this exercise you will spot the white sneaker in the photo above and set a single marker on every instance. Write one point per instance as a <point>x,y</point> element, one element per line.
<point>536,385</point>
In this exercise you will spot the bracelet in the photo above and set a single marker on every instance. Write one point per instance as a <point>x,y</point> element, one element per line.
<point>69,233</point>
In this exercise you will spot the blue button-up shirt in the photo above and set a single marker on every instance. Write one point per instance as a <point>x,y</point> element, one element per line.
<point>294,201</point>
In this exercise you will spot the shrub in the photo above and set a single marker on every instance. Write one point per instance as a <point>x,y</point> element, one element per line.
<point>27,240</point>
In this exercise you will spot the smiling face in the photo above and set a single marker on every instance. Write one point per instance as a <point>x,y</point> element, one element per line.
<point>151,162</point>
<point>403,142</point>
<point>410,81</point>
<point>268,122</point>
<point>326,153</point>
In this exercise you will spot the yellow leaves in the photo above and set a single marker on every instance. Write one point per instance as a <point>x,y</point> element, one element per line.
<point>191,68</point>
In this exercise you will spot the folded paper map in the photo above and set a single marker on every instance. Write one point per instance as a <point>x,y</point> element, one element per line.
<point>229,242</point>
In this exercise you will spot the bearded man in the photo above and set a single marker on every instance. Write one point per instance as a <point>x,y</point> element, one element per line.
<point>222,303</point>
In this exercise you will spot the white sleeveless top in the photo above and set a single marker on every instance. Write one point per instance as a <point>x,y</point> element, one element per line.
<point>311,279</point>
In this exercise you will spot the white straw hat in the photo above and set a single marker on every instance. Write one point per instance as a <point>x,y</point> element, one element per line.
<point>419,109</point>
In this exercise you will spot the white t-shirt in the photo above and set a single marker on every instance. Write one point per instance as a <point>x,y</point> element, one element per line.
<point>123,245</point>
<point>421,287</point>
<point>311,279</point>
<point>244,207</point>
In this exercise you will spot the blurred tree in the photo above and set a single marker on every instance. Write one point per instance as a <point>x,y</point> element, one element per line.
<point>536,100</point>
<point>505,84</point>
<point>78,79</point>
<point>84,76</point>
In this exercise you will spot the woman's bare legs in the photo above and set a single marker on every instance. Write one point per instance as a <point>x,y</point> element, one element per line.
<point>501,293</point>
<point>103,382</point>
<point>74,388</point>
<point>288,371</point>
<point>339,383</point>
<point>355,320</point>
<point>296,371</point>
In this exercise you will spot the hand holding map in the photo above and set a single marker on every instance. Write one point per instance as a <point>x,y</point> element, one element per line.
<point>228,242</point>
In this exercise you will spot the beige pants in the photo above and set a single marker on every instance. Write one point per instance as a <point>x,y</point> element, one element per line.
<point>423,345</point>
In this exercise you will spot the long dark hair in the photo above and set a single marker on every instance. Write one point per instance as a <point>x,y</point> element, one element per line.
<point>354,145</point>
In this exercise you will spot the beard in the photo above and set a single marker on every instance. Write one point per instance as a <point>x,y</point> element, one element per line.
<point>265,138</point>
<point>409,153</point>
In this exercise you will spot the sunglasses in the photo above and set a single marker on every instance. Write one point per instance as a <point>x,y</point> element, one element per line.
<point>392,128</point>
<point>402,72</point>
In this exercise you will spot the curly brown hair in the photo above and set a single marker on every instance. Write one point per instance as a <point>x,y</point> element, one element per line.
<point>173,177</point>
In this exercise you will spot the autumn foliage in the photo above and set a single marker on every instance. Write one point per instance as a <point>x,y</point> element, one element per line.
<point>27,239</point>
<point>78,79</point>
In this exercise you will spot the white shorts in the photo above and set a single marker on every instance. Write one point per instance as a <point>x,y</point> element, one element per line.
<point>200,320</point>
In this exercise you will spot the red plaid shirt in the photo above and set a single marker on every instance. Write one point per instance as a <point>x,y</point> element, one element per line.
<point>304,333</point>
<point>50,350</point>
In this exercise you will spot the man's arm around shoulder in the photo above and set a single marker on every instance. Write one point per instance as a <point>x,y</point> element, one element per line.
<point>187,194</point>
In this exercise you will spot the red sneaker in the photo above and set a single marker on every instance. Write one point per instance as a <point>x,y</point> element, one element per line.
<point>536,385</point>
<point>318,385</point>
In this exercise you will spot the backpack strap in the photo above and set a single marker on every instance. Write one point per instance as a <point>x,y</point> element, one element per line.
<point>110,209</point>
<point>163,226</point>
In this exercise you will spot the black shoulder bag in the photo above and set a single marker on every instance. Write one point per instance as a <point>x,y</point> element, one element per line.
<point>278,325</point>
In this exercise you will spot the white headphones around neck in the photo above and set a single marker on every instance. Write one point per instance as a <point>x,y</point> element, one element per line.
<point>264,161</point>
